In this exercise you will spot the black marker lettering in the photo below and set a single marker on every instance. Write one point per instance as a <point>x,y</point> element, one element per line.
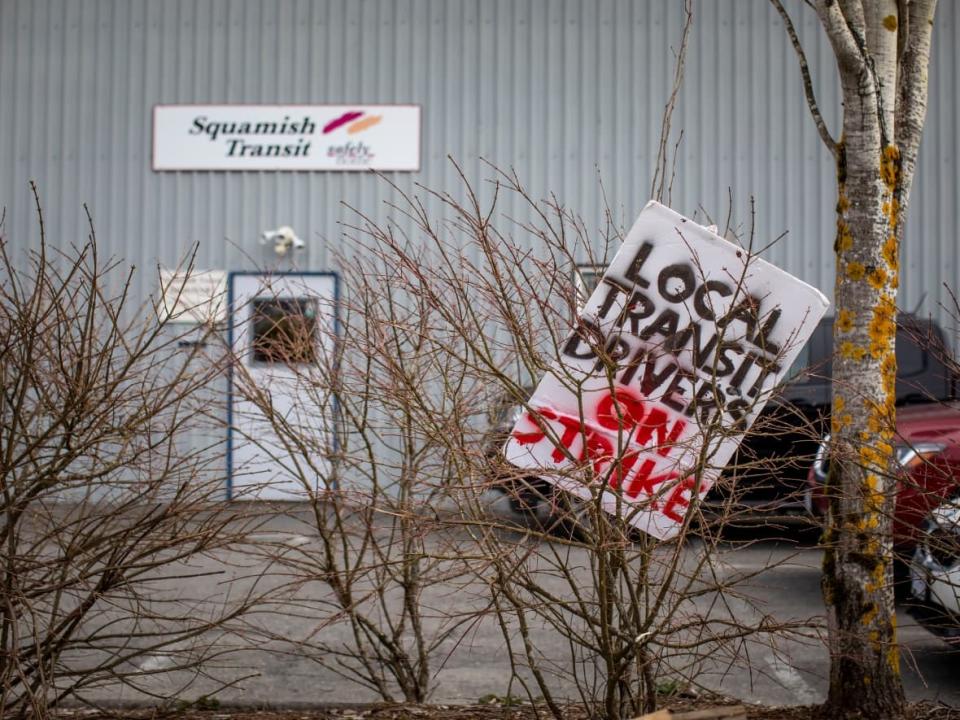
<point>762,340</point>
<point>633,270</point>
<point>672,398</point>
<point>681,272</point>
<point>634,315</point>
<point>612,292</point>
<point>703,308</point>
<point>665,324</point>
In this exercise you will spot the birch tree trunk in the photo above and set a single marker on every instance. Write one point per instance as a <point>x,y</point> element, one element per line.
<point>882,49</point>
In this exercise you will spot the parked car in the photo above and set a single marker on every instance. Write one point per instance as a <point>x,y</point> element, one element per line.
<point>935,572</point>
<point>510,492</point>
<point>768,476</point>
<point>927,450</point>
<point>516,496</point>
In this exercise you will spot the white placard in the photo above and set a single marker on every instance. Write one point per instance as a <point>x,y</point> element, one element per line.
<point>680,345</point>
<point>286,137</point>
<point>197,296</point>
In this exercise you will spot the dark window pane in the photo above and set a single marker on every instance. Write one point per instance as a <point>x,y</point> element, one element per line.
<point>285,330</point>
<point>910,357</point>
<point>588,277</point>
<point>817,356</point>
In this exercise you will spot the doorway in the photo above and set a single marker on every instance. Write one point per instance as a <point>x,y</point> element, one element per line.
<point>283,329</point>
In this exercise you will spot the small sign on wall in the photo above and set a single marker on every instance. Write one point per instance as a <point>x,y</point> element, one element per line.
<point>286,137</point>
<point>193,297</point>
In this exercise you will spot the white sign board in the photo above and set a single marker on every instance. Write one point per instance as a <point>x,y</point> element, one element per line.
<point>193,297</point>
<point>678,349</point>
<point>286,137</point>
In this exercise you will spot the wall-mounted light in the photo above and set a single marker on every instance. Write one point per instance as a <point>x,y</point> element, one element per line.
<point>283,239</point>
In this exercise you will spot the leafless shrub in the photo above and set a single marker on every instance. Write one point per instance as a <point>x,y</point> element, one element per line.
<point>447,319</point>
<point>373,486</point>
<point>102,499</point>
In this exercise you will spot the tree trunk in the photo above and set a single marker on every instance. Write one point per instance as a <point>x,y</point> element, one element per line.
<point>882,49</point>
<point>857,578</point>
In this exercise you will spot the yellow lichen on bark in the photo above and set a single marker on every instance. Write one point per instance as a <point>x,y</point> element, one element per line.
<point>872,459</point>
<point>886,310</point>
<point>890,167</point>
<point>844,236</point>
<point>882,327</point>
<point>839,422</point>
<point>893,654</point>
<point>852,352</point>
<point>878,421</point>
<point>856,271</point>
<point>891,247</point>
<point>877,278</point>
<point>877,579</point>
<point>888,372</point>
<point>845,320</point>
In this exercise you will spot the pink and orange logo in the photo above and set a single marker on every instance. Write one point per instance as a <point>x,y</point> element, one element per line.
<point>351,152</point>
<point>355,122</point>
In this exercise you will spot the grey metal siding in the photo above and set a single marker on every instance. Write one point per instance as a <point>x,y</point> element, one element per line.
<point>563,91</point>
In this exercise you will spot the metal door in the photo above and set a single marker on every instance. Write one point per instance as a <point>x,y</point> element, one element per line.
<point>283,333</point>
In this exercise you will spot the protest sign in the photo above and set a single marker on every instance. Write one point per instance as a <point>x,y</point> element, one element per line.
<point>675,354</point>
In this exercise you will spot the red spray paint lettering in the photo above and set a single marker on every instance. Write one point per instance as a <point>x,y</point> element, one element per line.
<point>596,447</point>
<point>622,411</point>
<point>636,471</point>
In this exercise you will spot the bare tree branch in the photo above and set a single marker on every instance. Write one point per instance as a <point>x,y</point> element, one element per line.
<point>660,171</point>
<point>846,46</point>
<point>912,88</point>
<point>825,135</point>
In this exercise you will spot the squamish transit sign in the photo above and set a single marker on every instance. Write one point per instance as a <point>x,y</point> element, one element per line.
<point>286,137</point>
<point>674,356</point>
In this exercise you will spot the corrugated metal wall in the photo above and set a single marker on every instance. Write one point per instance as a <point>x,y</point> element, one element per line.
<point>566,92</point>
<point>562,91</point>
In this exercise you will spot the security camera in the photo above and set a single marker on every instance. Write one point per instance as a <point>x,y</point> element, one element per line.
<point>283,239</point>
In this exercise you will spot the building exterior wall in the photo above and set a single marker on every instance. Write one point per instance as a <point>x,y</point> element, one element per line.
<point>565,92</point>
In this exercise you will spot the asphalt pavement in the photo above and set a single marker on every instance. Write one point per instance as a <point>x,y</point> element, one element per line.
<point>783,586</point>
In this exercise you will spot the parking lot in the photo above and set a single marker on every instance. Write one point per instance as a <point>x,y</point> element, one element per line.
<point>786,588</point>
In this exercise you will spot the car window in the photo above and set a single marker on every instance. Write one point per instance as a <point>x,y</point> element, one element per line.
<point>911,358</point>
<point>814,364</point>
<point>800,363</point>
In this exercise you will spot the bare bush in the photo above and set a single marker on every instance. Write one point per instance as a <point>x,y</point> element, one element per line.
<point>631,608</point>
<point>372,487</point>
<point>104,497</point>
<point>447,321</point>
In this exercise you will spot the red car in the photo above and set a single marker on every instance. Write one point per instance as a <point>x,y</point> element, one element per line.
<point>928,453</point>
